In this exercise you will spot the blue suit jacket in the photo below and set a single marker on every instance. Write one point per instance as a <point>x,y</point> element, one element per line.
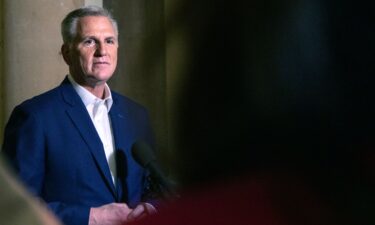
<point>58,154</point>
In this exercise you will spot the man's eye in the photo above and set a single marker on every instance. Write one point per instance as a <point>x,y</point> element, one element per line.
<point>110,41</point>
<point>88,42</point>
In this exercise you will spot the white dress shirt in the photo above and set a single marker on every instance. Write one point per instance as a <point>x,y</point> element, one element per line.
<point>98,110</point>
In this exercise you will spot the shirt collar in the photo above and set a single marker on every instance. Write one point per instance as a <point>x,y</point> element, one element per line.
<point>88,98</point>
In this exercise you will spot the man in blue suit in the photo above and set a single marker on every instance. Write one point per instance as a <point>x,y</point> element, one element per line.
<point>71,145</point>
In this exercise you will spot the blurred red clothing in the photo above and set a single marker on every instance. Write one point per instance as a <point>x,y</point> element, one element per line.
<point>266,200</point>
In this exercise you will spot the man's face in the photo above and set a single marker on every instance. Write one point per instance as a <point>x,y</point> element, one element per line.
<point>92,58</point>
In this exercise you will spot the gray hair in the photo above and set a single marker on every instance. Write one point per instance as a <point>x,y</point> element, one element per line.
<point>69,24</point>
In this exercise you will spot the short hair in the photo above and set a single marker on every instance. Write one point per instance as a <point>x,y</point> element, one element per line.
<point>69,24</point>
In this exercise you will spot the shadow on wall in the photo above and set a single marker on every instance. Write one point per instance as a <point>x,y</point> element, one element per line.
<point>279,86</point>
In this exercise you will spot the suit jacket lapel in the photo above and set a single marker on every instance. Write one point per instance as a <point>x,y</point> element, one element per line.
<point>81,119</point>
<point>120,129</point>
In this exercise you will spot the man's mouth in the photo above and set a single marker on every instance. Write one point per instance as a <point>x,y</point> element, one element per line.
<point>100,63</point>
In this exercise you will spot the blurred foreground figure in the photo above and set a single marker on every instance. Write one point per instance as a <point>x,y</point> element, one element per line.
<point>17,205</point>
<point>276,117</point>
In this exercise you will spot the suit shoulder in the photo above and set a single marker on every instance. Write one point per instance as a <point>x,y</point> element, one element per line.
<point>41,101</point>
<point>126,101</point>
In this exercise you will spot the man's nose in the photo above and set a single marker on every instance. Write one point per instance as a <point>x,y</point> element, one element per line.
<point>101,49</point>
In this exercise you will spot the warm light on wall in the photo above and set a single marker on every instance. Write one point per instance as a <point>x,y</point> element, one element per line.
<point>94,2</point>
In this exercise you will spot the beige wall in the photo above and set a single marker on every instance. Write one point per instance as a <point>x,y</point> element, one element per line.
<point>2,99</point>
<point>30,58</point>
<point>32,45</point>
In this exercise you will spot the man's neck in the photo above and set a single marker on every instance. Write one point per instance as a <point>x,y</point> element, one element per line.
<point>97,90</point>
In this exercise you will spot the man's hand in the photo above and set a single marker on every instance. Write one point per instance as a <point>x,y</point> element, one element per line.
<point>142,210</point>
<point>110,214</point>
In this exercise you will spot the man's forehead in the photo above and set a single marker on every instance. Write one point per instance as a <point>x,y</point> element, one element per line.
<point>95,23</point>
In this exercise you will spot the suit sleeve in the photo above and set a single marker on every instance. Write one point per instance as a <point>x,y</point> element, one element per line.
<point>24,146</point>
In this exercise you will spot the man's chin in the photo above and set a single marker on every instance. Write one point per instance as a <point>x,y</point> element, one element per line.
<point>95,80</point>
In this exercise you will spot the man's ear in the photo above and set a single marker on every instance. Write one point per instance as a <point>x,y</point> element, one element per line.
<point>65,51</point>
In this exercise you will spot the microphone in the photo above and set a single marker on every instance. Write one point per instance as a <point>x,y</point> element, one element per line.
<point>144,155</point>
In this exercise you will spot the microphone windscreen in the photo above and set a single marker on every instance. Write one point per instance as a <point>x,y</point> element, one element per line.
<point>142,153</point>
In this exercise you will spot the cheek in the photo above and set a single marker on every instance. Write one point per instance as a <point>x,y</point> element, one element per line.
<point>114,56</point>
<point>86,60</point>
<point>115,59</point>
